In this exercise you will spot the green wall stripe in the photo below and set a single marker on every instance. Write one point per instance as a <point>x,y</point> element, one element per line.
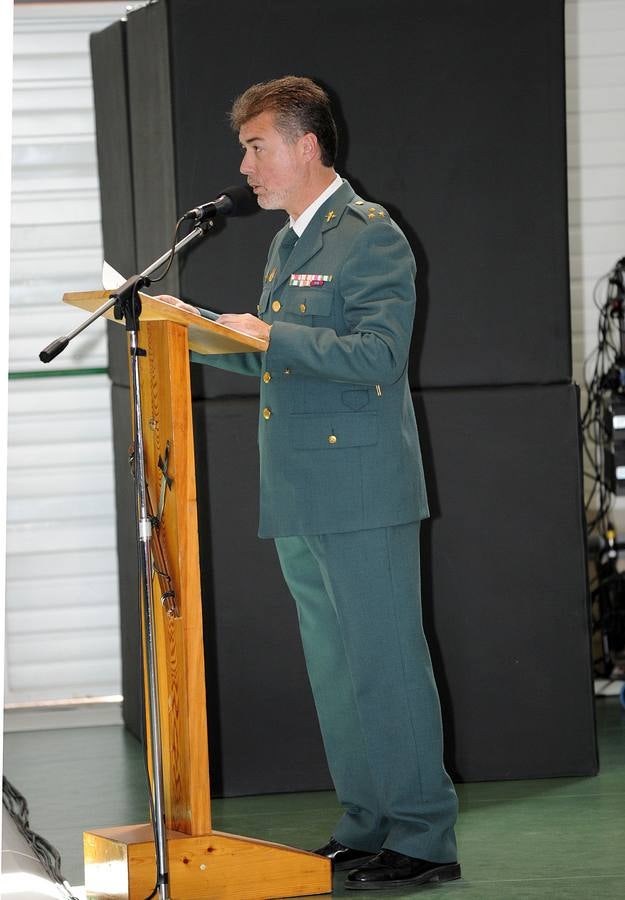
<point>55,373</point>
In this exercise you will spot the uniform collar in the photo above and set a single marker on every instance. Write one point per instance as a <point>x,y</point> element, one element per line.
<point>298,225</point>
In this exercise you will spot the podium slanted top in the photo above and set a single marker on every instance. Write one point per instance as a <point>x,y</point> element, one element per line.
<point>205,336</point>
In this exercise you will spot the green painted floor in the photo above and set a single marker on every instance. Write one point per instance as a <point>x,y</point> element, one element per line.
<point>519,840</point>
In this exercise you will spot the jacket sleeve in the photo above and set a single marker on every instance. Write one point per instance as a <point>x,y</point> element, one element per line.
<point>376,286</point>
<point>241,363</point>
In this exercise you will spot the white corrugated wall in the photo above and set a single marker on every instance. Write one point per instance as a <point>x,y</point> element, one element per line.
<point>62,622</point>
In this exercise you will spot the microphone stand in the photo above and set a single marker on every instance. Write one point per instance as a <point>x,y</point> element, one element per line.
<point>128,306</point>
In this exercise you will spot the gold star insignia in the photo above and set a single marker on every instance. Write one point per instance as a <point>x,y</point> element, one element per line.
<point>372,209</point>
<point>331,215</point>
<point>371,216</point>
<point>381,213</point>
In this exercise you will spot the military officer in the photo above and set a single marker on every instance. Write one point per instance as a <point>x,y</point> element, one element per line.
<point>341,483</point>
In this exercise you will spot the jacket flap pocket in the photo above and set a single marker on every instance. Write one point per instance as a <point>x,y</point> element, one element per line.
<point>312,302</point>
<point>331,431</point>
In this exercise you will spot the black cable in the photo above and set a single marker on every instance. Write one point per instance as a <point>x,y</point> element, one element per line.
<point>49,857</point>
<point>603,373</point>
<point>604,382</point>
<point>144,743</point>
<point>169,262</point>
<point>141,689</point>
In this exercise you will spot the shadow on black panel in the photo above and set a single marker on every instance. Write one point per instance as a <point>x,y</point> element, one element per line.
<point>427,587</point>
<point>400,216</point>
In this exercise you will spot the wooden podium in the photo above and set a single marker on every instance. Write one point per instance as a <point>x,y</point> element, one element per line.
<point>203,864</point>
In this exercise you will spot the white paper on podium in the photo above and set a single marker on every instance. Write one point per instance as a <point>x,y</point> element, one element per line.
<point>111,279</point>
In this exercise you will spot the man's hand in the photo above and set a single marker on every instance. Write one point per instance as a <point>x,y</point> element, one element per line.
<point>247,324</point>
<point>174,301</point>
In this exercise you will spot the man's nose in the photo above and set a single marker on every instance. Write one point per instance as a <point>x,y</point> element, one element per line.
<point>245,167</point>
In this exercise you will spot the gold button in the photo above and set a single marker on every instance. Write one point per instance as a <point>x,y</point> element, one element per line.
<point>276,306</point>
<point>267,377</point>
<point>332,439</point>
<point>302,307</point>
<point>266,413</point>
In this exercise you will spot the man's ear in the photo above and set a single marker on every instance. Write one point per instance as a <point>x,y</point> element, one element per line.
<point>309,146</point>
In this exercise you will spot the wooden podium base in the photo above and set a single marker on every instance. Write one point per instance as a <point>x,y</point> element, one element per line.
<point>120,862</point>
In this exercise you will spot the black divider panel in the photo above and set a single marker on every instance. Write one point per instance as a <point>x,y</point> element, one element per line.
<point>507,606</point>
<point>451,114</point>
<point>112,116</point>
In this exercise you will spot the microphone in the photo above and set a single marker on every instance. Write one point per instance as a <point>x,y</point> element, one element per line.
<point>238,200</point>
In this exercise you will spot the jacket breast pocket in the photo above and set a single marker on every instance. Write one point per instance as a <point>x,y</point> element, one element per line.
<point>333,431</point>
<point>305,306</point>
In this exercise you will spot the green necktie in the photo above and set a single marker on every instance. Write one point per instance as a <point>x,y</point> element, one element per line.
<point>284,250</point>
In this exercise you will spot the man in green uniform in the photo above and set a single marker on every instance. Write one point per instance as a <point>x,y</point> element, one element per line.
<point>342,490</point>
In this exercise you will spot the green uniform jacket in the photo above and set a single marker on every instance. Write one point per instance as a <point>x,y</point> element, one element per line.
<point>339,449</point>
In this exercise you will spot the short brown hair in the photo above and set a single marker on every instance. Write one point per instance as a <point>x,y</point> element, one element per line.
<point>300,106</point>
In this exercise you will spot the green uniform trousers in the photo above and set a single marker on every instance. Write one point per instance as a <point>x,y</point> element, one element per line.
<point>359,607</point>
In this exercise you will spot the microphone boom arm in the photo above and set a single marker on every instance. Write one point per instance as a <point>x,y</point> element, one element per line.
<point>59,344</point>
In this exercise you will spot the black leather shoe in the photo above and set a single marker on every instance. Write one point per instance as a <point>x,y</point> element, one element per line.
<point>342,857</point>
<point>388,869</point>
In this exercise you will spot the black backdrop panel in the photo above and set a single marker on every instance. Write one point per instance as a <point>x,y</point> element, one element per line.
<point>507,606</point>
<point>452,115</point>
<point>150,101</point>
<point>108,63</point>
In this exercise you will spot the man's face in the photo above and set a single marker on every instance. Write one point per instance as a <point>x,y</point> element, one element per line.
<point>273,167</point>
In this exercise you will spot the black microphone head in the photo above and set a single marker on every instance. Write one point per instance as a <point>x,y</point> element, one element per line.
<point>243,200</point>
